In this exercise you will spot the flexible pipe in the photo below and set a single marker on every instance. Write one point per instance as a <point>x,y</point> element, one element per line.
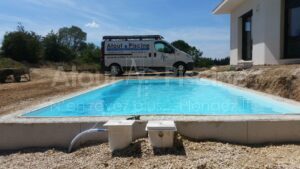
<point>83,134</point>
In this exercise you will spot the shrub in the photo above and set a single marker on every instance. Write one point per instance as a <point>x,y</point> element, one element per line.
<point>9,63</point>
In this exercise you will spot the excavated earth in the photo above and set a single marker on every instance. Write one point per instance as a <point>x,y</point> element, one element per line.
<point>283,80</point>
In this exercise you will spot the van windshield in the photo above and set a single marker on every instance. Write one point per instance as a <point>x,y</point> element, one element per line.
<point>163,47</point>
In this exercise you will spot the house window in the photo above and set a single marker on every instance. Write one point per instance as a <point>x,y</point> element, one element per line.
<point>248,26</point>
<point>294,20</point>
<point>247,42</point>
<point>292,29</point>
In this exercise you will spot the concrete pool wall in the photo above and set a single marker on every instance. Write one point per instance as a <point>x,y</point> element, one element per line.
<point>265,129</point>
<point>16,136</point>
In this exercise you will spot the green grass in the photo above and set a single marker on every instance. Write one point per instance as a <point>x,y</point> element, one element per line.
<point>9,63</point>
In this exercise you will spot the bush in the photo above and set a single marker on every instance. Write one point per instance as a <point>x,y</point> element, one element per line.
<point>22,45</point>
<point>89,54</point>
<point>1,53</point>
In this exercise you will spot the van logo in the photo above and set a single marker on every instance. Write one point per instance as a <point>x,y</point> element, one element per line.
<point>129,46</point>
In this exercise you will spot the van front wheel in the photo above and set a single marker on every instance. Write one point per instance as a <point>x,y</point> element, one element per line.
<point>180,69</point>
<point>115,70</point>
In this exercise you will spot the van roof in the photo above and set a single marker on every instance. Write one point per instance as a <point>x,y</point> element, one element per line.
<point>134,37</point>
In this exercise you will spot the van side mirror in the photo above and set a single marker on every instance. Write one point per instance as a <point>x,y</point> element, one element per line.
<point>173,50</point>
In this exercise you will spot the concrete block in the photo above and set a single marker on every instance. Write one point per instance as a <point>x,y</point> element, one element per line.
<point>273,132</point>
<point>18,136</point>
<point>229,131</point>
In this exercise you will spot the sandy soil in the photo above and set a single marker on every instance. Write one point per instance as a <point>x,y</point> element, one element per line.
<point>186,154</point>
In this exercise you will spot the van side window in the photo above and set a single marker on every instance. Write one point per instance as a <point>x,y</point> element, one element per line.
<point>163,47</point>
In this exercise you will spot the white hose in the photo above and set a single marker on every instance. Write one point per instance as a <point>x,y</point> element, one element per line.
<point>83,134</point>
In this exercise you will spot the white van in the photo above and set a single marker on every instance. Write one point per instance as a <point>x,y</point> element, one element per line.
<point>148,53</point>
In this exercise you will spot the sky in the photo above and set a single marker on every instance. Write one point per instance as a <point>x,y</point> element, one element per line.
<point>189,20</point>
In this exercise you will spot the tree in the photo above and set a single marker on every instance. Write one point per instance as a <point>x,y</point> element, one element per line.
<point>22,45</point>
<point>222,61</point>
<point>193,51</point>
<point>90,54</point>
<point>197,55</point>
<point>73,38</point>
<point>54,50</point>
<point>182,45</point>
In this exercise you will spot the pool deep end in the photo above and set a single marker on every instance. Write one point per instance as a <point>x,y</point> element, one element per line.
<point>165,97</point>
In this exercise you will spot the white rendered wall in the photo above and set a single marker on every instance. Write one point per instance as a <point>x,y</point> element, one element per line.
<point>267,32</point>
<point>258,27</point>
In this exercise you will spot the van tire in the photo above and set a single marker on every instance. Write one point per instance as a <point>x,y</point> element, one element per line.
<point>180,69</point>
<point>2,79</point>
<point>17,78</point>
<point>115,70</point>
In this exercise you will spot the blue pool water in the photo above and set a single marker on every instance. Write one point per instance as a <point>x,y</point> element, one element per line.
<point>165,97</point>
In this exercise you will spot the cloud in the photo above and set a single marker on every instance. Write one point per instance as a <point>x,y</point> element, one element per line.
<point>92,24</point>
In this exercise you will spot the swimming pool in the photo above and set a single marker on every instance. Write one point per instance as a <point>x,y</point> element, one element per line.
<point>166,97</point>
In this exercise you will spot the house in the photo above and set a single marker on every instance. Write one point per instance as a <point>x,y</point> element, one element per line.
<point>263,32</point>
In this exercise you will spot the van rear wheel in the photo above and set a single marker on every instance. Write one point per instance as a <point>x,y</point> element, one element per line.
<point>115,70</point>
<point>180,69</point>
<point>17,78</point>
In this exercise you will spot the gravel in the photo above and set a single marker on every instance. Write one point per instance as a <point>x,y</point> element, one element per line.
<point>186,154</point>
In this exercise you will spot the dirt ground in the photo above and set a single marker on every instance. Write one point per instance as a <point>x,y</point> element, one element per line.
<point>281,80</point>
<point>186,154</point>
<point>47,84</point>
<point>44,86</point>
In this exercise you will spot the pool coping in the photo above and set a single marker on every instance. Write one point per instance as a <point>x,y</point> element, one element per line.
<point>17,117</point>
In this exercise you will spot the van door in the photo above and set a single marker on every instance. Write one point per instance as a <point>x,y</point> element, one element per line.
<point>139,57</point>
<point>164,55</point>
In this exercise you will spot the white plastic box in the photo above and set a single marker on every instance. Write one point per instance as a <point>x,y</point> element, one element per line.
<point>161,133</point>
<point>119,133</point>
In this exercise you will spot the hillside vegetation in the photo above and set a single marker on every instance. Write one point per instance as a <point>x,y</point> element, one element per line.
<point>9,63</point>
<point>67,45</point>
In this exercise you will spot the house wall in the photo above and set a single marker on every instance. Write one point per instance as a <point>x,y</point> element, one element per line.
<point>273,33</point>
<point>267,32</point>
<point>257,26</point>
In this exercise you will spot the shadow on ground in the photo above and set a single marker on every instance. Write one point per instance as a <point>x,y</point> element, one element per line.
<point>134,150</point>
<point>177,150</point>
